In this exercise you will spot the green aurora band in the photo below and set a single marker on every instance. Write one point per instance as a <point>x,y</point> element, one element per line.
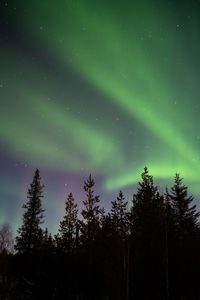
<point>44,131</point>
<point>137,56</point>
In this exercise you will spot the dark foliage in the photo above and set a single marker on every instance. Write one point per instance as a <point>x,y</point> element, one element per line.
<point>66,238</point>
<point>30,233</point>
<point>149,252</point>
<point>90,213</point>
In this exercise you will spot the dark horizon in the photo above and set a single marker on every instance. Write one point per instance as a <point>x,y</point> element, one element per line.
<point>148,251</point>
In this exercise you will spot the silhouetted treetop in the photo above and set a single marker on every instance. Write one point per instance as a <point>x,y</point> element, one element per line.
<point>30,234</point>
<point>90,212</point>
<point>68,226</point>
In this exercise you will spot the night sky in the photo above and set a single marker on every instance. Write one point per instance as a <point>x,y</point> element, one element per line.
<point>101,87</point>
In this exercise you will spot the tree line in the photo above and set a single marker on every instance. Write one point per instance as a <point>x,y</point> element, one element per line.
<point>150,251</point>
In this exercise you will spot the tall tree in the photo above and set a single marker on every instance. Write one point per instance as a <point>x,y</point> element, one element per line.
<point>185,246</point>
<point>148,206</point>
<point>169,240</point>
<point>147,223</point>
<point>66,237</point>
<point>30,233</point>
<point>91,212</point>
<point>119,221</point>
<point>119,215</point>
<point>185,214</point>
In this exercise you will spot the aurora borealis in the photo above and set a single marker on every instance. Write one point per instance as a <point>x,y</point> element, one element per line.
<point>105,87</point>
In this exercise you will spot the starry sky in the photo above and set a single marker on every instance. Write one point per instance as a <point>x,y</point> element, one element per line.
<point>100,87</point>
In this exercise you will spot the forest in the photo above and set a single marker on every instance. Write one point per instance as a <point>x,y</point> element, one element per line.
<point>150,250</point>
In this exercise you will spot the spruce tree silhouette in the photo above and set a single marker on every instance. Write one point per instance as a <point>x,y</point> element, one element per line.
<point>186,216</point>
<point>66,238</point>
<point>151,252</point>
<point>91,212</point>
<point>90,228</point>
<point>147,225</point>
<point>119,215</point>
<point>170,240</point>
<point>30,233</point>
<point>184,256</point>
<point>119,221</point>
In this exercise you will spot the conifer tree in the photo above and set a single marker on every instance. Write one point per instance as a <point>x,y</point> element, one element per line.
<point>184,256</point>
<point>169,240</point>
<point>119,221</point>
<point>147,203</point>
<point>68,226</point>
<point>30,233</point>
<point>147,226</point>
<point>185,214</point>
<point>119,215</point>
<point>91,212</point>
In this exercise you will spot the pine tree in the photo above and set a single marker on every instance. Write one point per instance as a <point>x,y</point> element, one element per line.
<point>66,237</point>
<point>185,254</point>
<point>91,213</point>
<point>147,204</point>
<point>119,215</point>
<point>169,240</point>
<point>147,231</point>
<point>186,216</point>
<point>119,221</point>
<point>30,233</point>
